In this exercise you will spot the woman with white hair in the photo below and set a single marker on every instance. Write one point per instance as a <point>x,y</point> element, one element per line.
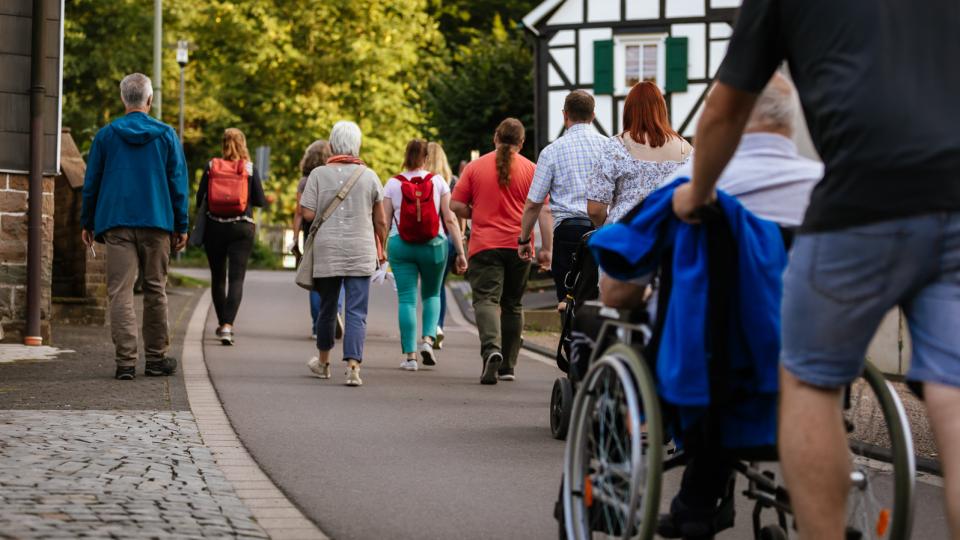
<point>345,252</point>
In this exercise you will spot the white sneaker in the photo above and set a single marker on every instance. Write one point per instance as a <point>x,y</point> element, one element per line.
<point>353,376</point>
<point>426,354</point>
<point>438,343</point>
<point>409,365</point>
<point>320,370</point>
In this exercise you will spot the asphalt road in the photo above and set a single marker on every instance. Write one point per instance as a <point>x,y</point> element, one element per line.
<point>431,454</point>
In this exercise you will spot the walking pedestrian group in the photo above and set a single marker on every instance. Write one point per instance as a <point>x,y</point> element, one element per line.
<point>881,229</point>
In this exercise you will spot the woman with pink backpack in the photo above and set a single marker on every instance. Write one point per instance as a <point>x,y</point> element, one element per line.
<point>417,200</point>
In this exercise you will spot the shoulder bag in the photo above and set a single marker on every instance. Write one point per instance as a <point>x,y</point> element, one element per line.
<point>305,270</point>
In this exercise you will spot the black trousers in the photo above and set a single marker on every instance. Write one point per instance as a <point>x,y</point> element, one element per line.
<point>228,247</point>
<point>566,238</point>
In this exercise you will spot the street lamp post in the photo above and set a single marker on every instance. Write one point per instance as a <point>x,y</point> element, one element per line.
<point>183,49</point>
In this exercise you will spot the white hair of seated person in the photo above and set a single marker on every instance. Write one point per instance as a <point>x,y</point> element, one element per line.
<point>136,90</point>
<point>345,138</point>
<point>776,108</point>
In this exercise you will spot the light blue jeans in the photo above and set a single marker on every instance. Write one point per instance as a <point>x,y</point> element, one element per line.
<point>357,299</point>
<point>840,284</point>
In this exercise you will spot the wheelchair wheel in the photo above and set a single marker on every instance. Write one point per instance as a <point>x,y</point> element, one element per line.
<point>561,405</point>
<point>880,504</point>
<point>614,456</point>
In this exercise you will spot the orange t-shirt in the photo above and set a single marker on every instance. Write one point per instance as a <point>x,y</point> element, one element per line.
<point>496,211</point>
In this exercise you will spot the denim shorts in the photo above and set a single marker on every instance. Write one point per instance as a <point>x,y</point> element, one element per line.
<point>840,284</point>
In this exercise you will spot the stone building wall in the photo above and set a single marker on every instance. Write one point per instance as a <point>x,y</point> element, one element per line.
<point>13,256</point>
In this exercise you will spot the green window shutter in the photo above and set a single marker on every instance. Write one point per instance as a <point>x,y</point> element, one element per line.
<point>603,67</point>
<point>676,64</point>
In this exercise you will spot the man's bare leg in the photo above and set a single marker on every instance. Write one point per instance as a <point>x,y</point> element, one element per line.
<point>814,456</point>
<point>943,408</point>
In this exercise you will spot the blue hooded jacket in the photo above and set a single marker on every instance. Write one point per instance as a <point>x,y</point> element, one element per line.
<point>136,177</point>
<point>631,249</point>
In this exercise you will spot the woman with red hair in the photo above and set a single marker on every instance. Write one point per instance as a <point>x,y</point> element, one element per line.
<point>637,161</point>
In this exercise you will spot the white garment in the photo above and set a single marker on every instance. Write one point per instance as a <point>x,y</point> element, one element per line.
<point>769,178</point>
<point>392,190</point>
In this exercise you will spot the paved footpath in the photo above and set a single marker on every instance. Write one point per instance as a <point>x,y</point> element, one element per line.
<point>83,455</point>
<point>426,455</point>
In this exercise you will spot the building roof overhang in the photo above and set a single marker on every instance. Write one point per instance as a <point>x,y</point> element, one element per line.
<point>539,14</point>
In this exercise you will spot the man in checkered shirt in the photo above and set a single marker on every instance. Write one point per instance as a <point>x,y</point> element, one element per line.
<point>562,172</point>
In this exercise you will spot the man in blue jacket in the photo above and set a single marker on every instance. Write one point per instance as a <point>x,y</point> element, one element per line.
<point>135,201</point>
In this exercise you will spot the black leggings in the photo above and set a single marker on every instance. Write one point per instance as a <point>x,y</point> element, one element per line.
<point>223,242</point>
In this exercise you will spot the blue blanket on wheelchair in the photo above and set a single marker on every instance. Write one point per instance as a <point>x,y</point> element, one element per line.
<point>634,248</point>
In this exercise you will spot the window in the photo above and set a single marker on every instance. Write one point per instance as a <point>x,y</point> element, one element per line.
<point>638,58</point>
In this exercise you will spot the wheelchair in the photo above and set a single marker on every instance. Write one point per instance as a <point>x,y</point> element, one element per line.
<point>619,442</point>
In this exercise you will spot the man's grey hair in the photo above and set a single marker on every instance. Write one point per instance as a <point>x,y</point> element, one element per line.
<point>776,107</point>
<point>135,90</point>
<point>345,139</point>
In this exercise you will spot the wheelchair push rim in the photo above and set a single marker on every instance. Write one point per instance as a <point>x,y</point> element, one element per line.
<point>613,459</point>
<point>880,500</point>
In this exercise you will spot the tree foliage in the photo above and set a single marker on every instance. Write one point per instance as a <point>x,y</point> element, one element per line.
<point>490,79</point>
<point>284,71</point>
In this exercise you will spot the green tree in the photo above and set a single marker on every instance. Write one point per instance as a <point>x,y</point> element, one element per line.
<point>491,79</point>
<point>283,71</point>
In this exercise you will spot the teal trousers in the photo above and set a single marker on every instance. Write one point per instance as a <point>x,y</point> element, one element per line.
<point>413,263</point>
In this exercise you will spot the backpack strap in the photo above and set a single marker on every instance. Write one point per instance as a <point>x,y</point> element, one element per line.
<point>335,203</point>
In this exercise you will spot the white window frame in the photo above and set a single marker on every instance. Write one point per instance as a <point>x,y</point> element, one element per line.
<point>620,43</point>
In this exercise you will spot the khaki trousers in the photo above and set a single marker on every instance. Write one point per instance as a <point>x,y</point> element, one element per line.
<point>127,250</point>
<point>498,278</point>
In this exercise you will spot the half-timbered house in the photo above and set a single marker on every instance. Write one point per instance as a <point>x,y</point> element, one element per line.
<point>607,46</point>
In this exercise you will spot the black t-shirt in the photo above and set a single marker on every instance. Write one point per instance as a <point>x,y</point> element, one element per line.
<point>881,94</point>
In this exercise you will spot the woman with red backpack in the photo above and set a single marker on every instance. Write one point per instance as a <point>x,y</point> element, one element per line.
<point>417,200</point>
<point>229,189</point>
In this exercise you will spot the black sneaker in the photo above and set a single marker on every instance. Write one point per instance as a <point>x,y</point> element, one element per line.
<point>490,367</point>
<point>161,367</point>
<point>126,373</point>
<point>506,374</point>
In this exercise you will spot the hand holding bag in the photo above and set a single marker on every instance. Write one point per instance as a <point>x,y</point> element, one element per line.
<point>305,269</point>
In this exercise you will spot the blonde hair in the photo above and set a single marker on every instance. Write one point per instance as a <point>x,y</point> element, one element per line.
<point>437,162</point>
<point>235,145</point>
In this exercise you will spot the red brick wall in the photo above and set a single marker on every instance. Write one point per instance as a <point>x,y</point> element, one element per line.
<point>13,256</point>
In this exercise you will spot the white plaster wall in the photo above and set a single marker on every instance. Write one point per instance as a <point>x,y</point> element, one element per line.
<point>570,12</point>
<point>553,78</point>
<point>720,30</point>
<point>604,111</point>
<point>564,37</point>
<point>554,112</point>
<point>620,105</point>
<point>696,35</point>
<point>587,37</point>
<point>724,3</point>
<point>680,105</point>
<point>718,49</point>
<point>566,60</point>
<point>603,10</point>
<point>685,8</point>
<point>643,9</point>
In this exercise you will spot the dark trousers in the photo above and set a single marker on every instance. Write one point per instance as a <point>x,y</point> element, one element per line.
<point>498,279</point>
<point>228,247</point>
<point>566,238</point>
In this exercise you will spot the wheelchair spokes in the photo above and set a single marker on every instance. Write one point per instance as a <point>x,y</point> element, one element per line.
<point>879,504</point>
<point>612,475</point>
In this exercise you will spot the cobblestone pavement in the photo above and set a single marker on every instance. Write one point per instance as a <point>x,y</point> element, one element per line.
<point>113,474</point>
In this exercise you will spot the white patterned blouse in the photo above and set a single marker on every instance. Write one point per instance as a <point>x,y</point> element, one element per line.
<point>622,181</point>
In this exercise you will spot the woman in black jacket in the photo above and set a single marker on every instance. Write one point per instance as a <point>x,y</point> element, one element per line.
<point>230,188</point>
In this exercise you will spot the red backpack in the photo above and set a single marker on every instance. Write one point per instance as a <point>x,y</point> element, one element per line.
<point>419,220</point>
<point>228,188</point>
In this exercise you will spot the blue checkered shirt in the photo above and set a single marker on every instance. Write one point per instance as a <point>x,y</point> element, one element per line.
<point>563,171</point>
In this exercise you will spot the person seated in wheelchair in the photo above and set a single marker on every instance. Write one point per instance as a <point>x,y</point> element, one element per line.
<point>720,384</point>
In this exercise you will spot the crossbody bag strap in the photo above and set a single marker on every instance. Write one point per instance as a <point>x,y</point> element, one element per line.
<point>335,203</point>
